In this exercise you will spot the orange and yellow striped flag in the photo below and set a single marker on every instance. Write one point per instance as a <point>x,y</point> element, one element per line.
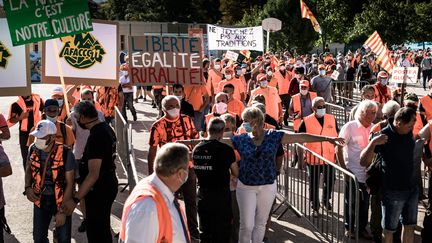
<point>375,43</point>
<point>245,53</point>
<point>307,14</point>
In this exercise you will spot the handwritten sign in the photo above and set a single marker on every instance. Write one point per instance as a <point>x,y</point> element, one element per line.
<point>231,55</point>
<point>398,75</point>
<point>161,60</point>
<point>36,20</point>
<point>220,38</point>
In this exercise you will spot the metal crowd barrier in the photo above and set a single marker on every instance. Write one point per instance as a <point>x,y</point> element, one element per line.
<point>341,114</point>
<point>348,92</point>
<point>125,150</point>
<point>299,189</point>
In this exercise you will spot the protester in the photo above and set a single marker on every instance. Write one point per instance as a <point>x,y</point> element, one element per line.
<point>273,101</point>
<point>322,84</point>
<point>382,91</point>
<point>5,170</point>
<point>172,127</point>
<point>198,97</point>
<point>356,135</point>
<point>213,163</point>
<point>185,107</point>
<point>49,181</point>
<point>367,93</point>
<point>151,213</point>
<point>27,110</point>
<point>295,81</point>
<point>320,123</point>
<point>220,108</point>
<point>283,78</point>
<point>235,106</point>
<point>395,145</point>
<point>97,174</point>
<point>364,73</point>
<point>239,92</point>
<point>128,91</point>
<point>214,77</point>
<point>426,67</point>
<point>58,94</point>
<point>301,104</point>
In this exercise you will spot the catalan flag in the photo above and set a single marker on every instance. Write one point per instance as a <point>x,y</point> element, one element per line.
<point>307,14</point>
<point>377,46</point>
<point>245,53</point>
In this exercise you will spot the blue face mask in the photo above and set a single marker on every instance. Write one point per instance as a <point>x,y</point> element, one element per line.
<point>247,126</point>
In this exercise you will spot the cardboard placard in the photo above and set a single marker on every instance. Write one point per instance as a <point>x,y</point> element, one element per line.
<point>87,58</point>
<point>164,60</point>
<point>232,55</point>
<point>250,38</point>
<point>32,21</point>
<point>335,75</point>
<point>197,33</point>
<point>14,66</point>
<point>398,75</point>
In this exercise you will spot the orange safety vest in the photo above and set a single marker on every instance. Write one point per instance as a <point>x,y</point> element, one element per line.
<point>418,125</point>
<point>297,107</point>
<point>325,149</point>
<point>145,189</point>
<point>426,102</point>
<point>58,173</point>
<point>107,99</point>
<point>36,112</point>
<point>380,97</point>
<point>283,83</point>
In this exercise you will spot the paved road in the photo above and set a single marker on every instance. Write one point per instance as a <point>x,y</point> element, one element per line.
<point>19,211</point>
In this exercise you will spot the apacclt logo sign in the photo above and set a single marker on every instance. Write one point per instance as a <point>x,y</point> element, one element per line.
<point>4,56</point>
<point>82,50</point>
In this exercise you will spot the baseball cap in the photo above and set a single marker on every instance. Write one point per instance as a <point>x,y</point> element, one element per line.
<point>44,128</point>
<point>304,83</point>
<point>51,102</point>
<point>58,91</point>
<point>411,97</point>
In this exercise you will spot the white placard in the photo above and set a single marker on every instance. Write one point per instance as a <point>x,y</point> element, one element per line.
<point>250,38</point>
<point>100,66</point>
<point>13,67</point>
<point>231,55</point>
<point>399,73</point>
<point>335,75</point>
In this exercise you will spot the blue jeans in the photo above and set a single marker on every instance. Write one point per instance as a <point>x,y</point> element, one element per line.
<point>42,218</point>
<point>399,205</point>
<point>349,216</point>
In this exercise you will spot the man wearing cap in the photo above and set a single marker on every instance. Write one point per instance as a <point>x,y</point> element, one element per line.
<point>322,84</point>
<point>301,104</point>
<point>239,92</point>
<point>283,79</point>
<point>49,181</point>
<point>295,81</point>
<point>382,91</point>
<point>58,94</point>
<point>273,101</point>
<point>64,133</point>
<point>27,110</point>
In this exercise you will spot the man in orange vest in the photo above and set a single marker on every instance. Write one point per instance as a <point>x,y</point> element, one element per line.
<point>214,77</point>
<point>382,91</point>
<point>107,97</point>
<point>283,78</point>
<point>220,108</point>
<point>151,213</point>
<point>273,101</point>
<point>320,123</point>
<point>301,104</point>
<point>426,103</point>
<point>27,110</point>
<point>58,94</point>
<point>234,105</point>
<point>49,182</point>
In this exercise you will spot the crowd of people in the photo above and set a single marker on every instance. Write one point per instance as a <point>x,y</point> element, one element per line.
<point>219,147</point>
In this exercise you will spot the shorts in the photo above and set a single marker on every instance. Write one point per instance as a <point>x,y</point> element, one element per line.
<point>399,205</point>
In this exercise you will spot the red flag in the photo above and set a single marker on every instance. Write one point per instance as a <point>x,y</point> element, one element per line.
<point>307,14</point>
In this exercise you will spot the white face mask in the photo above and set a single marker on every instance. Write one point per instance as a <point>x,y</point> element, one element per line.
<point>282,68</point>
<point>269,73</point>
<point>186,178</point>
<point>320,112</point>
<point>40,143</point>
<point>221,108</point>
<point>263,84</point>
<point>384,81</point>
<point>52,119</point>
<point>175,112</point>
<point>322,72</point>
<point>179,97</point>
<point>217,66</point>
<point>228,76</point>
<point>304,91</point>
<point>60,102</point>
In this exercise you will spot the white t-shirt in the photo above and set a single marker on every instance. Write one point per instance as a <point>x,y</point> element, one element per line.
<point>81,135</point>
<point>126,80</point>
<point>356,138</point>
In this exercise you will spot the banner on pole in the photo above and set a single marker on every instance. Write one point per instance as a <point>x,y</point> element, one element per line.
<point>14,66</point>
<point>398,75</point>
<point>220,38</point>
<point>88,58</point>
<point>163,60</point>
<point>32,21</point>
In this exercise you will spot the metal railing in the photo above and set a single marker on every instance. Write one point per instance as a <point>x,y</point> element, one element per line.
<point>299,189</point>
<point>341,114</point>
<point>125,150</point>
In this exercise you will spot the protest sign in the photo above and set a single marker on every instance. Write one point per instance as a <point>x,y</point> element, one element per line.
<point>197,33</point>
<point>398,75</point>
<point>14,67</point>
<point>163,60</point>
<point>87,58</point>
<point>335,75</point>
<point>231,55</point>
<point>36,20</point>
<point>250,38</point>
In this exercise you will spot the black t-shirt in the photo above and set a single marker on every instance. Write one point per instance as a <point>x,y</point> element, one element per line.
<point>397,160</point>
<point>16,109</point>
<point>101,144</point>
<point>187,109</point>
<point>350,73</point>
<point>212,160</point>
